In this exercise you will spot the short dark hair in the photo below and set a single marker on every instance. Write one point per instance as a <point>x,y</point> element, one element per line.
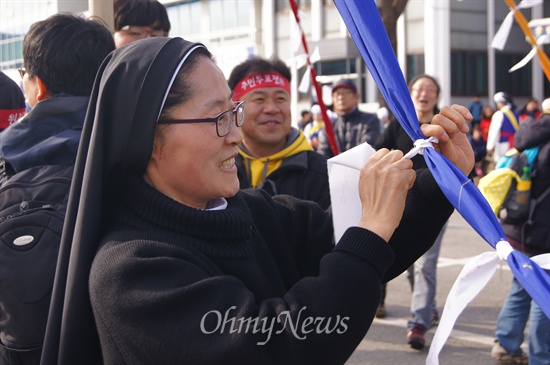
<point>144,13</point>
<point>257,65</point>
<point>65,51</point>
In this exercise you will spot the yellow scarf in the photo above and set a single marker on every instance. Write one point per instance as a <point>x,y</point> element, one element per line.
<point>257,169</point>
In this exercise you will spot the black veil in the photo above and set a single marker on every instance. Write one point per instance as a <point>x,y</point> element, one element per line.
<point>127,98</point>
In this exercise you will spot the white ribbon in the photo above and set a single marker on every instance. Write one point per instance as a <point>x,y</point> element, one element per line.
<point>542,260</point>
<point>419,146</point>
<point>472,279</point>
<point>499,40</point>
<point>306,79</point>
<point>474,276</point>
<point>542,40</point>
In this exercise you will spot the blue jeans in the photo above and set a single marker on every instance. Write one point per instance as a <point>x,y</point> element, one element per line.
<point>422,277</point>
<point>517,309</point>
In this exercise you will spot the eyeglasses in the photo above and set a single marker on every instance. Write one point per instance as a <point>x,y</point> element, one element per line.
<point>427,90</point>
<point>22,71</point>
<point>343,92</point>
<point>224,121</point>
<point>139,32</point>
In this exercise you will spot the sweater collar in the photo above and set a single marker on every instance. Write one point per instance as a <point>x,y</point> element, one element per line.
<point>160,210</point>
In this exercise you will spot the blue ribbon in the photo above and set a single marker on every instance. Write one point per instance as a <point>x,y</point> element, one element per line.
<point>369,34</point>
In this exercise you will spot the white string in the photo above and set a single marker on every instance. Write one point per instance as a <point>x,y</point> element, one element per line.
<point>460,192</point>
<point>420,145</point>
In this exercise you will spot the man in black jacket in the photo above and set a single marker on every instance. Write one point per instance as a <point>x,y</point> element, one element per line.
<point>353,126</point>
<point>275,156</point>
<point>61,57</point>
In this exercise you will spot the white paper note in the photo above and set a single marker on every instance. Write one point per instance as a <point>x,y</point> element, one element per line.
<point>343,177</point>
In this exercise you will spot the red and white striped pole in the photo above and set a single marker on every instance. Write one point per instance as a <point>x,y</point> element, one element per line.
<point>329,130</point>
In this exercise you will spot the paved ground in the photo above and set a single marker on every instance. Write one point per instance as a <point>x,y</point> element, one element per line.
<point>472,338</point>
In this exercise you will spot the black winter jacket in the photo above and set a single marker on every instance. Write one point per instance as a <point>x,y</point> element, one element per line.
<point>41,148</point>
<point>303,176</point>
<point>351,130</point>
<point>48,135</point>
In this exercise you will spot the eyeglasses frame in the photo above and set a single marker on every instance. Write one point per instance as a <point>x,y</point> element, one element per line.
<point>212,120</point>
<point>22,71</point>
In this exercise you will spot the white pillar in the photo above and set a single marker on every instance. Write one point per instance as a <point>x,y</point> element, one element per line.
<point>437,43</point>
<point>295,39</point>
<point>538,75</point>
<point>402,43</point>
<point>268,28</point>
<point>103,9</point>
<point>317,20</point>
<point>490,50</point>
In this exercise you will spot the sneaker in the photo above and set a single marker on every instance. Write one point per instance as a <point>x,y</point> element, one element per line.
<point>381,311</point>
<point>500,355</point>
<point>415,337</point>
<point>434,321</point>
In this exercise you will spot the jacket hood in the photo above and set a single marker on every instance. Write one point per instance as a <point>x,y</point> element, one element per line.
<point>48,135</point>
<point>126,100</point>
<point>258,169</point>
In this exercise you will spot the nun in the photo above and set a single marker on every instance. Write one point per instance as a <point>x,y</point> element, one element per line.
<point>165,261</point>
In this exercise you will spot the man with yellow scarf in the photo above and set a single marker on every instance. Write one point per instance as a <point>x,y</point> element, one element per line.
<point>274,156</point>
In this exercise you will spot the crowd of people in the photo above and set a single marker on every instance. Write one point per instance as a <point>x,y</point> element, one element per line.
<point>194,197</point>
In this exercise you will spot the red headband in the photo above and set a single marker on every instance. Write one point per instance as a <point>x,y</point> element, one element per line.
<point>10,116</point>
<point>256,81</point>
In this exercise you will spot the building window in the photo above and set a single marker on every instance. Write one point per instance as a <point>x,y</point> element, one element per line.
<point>469,73</point>
<point>517,83</point>
<point>336,67</point>
<point>11,52</point>
<point>227,14</point>
<point>415,65</point>
<point>185,18</point>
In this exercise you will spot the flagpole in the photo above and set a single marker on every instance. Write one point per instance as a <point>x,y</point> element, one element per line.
<point>522,22</point>
<point>328,124</point>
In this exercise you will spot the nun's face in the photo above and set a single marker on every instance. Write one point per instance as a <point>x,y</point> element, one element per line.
<point>190,163</point>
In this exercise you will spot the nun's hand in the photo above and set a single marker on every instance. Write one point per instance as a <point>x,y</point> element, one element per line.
<point>450,128</point>
<point>383,186</point>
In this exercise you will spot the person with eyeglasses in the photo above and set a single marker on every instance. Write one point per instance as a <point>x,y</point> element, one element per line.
<point>61,56</point>
<point>274,156</point>
<point>352,126</point>
<point>422,276</point>
<point>166,260</point>
<point>138,19</point>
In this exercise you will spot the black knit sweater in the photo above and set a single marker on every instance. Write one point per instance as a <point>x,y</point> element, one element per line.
<point>246,285</point>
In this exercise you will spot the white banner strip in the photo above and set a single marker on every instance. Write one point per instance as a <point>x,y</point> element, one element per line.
<point>472,279</point>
